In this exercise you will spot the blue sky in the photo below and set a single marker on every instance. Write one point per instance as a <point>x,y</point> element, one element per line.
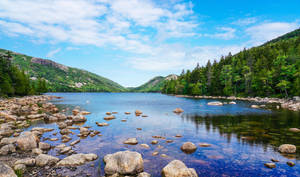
<point>131,41</point>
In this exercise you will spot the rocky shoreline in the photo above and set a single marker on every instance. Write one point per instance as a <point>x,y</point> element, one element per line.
<point>290,104</point>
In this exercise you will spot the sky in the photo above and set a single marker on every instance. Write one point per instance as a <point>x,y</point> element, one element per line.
<point>132,41</point>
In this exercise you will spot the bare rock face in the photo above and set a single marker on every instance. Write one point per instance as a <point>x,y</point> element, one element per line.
<point>287,148</point>
<point>188,147</point>
<point>43,160</point>
<point>27,141</point>
<point>124,163</point>
<point>177,168</point>
<point>6,171</point>
<point>77,159</point>
<point>49,63</point>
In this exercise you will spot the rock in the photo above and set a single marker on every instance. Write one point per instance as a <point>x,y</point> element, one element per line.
<point>158,137</point>
<point>43,130</point>
<point>131,141</point>
<point>79,118</point>
<point>215,103</point>
<point>43,160</point>
<point>37,151</point>
<point>178,110</point>
<point>188,147</point>
<point>102,124</point>
<point>26,161</point>
<point>274,160</point>
<point>127,113</point>
<point>255,106</point>
<point>62,125</point>
<point>291,164</point>
<point>75,112</point>
<point>204,145</point>
<point>44,146</point>
<point>6,171</point>
<point>84,131</point>
<point>169,141</point>
<point>177,168</point>
<point>270,165</point>
<point>85,113</point>
<point>144,174</point>
<point>145,146</point>
<point>77,159</point>
<point>144,115</point>
<point>108,113</point>
<point>74,142</point>
<point>139,128</point>
<point>20,167</point>
<point>154,142</point>
<point>155,153</point>
<point>27,141</point>
<point>295,130</point>
<point>9,148</point>
<point>287,148</point>
<point>124,120</point>
<point>138,112</point>
<point>178,136</point>
<point>65,150</point>
<point>65,131</point>
<point>109,117</point>
<point>232,102</point>
<point>164,155</point>
<point>124,163</point>
<point>37,116</point>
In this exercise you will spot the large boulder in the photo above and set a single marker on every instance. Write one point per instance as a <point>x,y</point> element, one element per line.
<point>77,159</point>
<point>6,171</point>
<point>9,148</point>
<point>177,168</point>
<point>188,147</point>
<point>27,141</point>
<point>124,163</point>
<point>43,160</point>
<point>287,148</point>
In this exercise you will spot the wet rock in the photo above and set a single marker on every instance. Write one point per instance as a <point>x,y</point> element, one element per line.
<point>26,161</point>
<point>108,113</point>
<point>109,117</point>
<point>62,125</point>
<point>158,137</point>
<point>178,136</point>
<point>274,160</point>
<point>164,155</point>
<point>75,142</point>
<point>155,153</point>
<point>27,141</point>
<point>124,163</point>
<point>138,112</point>
<point>177,168</point>
<point>84,131</point>
<point>9,148</point>
<point>215,103</point>
<point>144,174</point>
<point>255,106</point>
<point>188,147</point>
<point>232,102</point>
<point>124,120</point>
<point>270,165</point>
<point>65,138</point>
<point>37,116</point>
<point>53,139</point>
<point>204,145</point>
<point>169,141</point>
<point>295,130</point>
<point>131,141</point>
<point>65,150</point>
<point>75,112</point>
<point>287,148</point>
<point>43,160</point>
<point>139,128</point>
<point>43,130</point>
<point>291,164</point>
<point>154,142</point>
<point>145,146</point>
<point>69,122</point>
<point>77,159</point>
<point>44,146</point>
<point>85,113</point>
<point>102,124</point>
<point>65,131</point>
<point>178,110</point>
<point>6,171</point>
<point>127,113</point>
<point>79,118</point>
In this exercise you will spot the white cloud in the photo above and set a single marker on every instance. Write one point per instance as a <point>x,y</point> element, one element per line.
<point>245,21</point>
<point>53,52</point>
<point>264,32</point>
<point>229,33</point>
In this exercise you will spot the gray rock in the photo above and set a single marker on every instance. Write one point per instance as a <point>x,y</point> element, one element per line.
<point>131,141</point>
<point>215,103</point>
<point>177,168</point>
<point>27,141</point>
<point>43,160</point>
<point>77,159</point>
<point>37,151</point>
<point>6,171</point>
<point>287,148</point>
<point>188,147</point>
<point>270,165</point>
<point>144,174</point>
<point>124,163</point>
<point>26,161</point>
<point>44,146</point>
<point>10,148</point>
<point>62,125</point>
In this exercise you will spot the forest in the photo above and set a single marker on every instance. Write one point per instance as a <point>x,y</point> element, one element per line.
<point>15,82</point>
<point>269,70</point>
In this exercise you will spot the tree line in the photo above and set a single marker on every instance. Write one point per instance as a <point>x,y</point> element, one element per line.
<point>271,70</point>
<point>15,82</point>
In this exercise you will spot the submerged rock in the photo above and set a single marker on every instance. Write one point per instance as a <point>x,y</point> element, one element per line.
<point>109,117</point>
<point>287,148</point>
<point>204,145</point>
<point>131,141</point>
<point>77,159</point>
<point>177,168</point>
<point>270,165</point>
<point>188,147</point>
<point>102,124</point>
<point>291,164</point>
<point>124,163</point>
<point>215,103</point>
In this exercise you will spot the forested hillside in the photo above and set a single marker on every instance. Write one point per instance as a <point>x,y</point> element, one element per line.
<point>272,70</point>
<point>14,82</point>
<point>153,85</point>
<point>61,78</point>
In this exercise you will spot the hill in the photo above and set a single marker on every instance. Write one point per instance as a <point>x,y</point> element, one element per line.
<point>61,78</point>
<point>153,85</point>
<point>272,70</point>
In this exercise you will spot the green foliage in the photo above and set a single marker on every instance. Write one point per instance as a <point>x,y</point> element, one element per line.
<point>272,70</point>
<point>13,81</point>
<point>154,85</point>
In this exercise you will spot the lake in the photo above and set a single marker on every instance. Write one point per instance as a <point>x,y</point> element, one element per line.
<point>242,138</point>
